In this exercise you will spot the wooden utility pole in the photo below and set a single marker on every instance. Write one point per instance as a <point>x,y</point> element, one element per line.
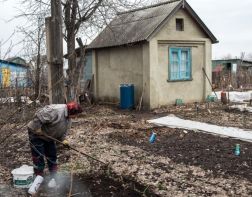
<point>54,40</point>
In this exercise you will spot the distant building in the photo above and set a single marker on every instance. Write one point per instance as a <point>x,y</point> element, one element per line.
<point>236,72</point>
<point>17,60</point>
<point>13,74</point>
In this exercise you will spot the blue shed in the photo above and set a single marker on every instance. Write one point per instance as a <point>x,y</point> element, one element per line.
<point>87,67</point>
<point>87,70</point>
<point>86,74</point>
<point>13,74</point>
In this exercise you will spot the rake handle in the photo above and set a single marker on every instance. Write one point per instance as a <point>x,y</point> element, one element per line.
<point>74,149</point>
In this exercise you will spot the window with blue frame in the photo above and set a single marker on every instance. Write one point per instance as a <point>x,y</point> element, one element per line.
<point>179,64</point>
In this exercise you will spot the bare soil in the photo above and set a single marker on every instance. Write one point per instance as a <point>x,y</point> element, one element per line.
<point>179,163</point>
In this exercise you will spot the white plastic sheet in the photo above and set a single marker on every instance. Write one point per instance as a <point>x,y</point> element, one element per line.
<point>238,97</point>
<point>242,108</point>
<point>175,122</point>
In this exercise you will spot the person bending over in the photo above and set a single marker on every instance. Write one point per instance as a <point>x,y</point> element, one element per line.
<point>54,121</point>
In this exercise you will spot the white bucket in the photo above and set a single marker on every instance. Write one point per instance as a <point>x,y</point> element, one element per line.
<point>23,176</point>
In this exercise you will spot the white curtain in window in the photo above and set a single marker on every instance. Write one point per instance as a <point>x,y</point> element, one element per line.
<point>183,66</point>
<point>175,65</point>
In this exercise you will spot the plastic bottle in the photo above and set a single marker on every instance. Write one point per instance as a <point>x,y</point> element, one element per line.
<point>52,183</point>
<point>152,137</point>
<point>35,185</point>
<point>237,150</point>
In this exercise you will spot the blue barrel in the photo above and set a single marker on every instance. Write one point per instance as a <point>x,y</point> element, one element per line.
<point>126,96</point>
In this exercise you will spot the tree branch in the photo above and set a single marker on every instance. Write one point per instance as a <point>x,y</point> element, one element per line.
<point>88,14</point>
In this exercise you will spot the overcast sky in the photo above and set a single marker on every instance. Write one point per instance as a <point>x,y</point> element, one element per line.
<point>229,20</point>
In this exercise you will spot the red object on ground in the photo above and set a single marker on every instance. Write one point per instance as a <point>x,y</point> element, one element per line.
<point>223,97</point>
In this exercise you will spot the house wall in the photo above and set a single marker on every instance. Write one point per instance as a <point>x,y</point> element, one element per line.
<point>115,66</point>
<point>163,92</point>
<point>146,76</point>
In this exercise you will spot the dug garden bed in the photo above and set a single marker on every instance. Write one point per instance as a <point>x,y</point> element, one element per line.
<point>212,153</point>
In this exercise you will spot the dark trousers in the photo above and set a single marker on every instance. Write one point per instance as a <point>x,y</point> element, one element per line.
<point>41,148</point>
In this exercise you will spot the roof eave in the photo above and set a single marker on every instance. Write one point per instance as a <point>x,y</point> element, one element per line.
<point>246,61</point>
<point>201,23</point>
<point>8,62</point>
<point>149,6</point>
<point>118,45</point>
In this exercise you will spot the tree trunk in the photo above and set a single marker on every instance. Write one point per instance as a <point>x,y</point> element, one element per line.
<point>70,20</point>
<point>37,76</point>
<point>71,94</point>
<point>55,54</point>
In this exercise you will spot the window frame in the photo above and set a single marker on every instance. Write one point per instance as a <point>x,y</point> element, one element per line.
<point>180,23</point>
<point>179,50</point>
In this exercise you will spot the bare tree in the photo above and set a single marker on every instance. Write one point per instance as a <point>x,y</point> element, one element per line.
<point>34,48</point>
<point>226,57</point>
<point>5,53</point>
<point>89,16</point>
<point>249,57</point>
<point>85,17</point>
